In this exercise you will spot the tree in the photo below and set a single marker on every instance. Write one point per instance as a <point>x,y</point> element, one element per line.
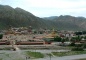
<point>77,38</point>
<point>77,49</point>
<point>85,37</point>
<point>84,32</point>
<point>78,33</point>
<point>1,35</point>
<point>58,39</point>
<point>72,44</point>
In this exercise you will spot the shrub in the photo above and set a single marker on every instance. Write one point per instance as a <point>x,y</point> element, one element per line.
<point>77,49</point>
<point>1,35</point>
<point>34,54</point>
<point>79,45</point>
<point>84,45</point>
<point>72,44</point>
<point>57,39</point>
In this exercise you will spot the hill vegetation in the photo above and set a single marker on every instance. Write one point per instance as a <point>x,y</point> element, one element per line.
<point>68,22</point>
<point>17,17</point>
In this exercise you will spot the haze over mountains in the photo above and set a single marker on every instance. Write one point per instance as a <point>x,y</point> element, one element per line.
<point>18,17</point>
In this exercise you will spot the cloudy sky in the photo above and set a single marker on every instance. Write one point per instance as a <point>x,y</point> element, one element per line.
<point>42,8</point>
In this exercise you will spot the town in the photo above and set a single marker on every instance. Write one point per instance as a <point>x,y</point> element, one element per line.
<point>24,38</point>
<point>42,30</point>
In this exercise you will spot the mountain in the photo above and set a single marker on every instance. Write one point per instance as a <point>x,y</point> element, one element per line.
<point>50,18</point>
<point>17,17</point>
<point>68,22</point>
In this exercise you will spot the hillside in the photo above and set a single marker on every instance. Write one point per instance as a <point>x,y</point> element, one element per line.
<point>67,22</point>
<point>50,18</point>
<point>18,17</point>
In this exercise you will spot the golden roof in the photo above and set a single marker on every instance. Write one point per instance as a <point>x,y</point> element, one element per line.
<point>51,35</point>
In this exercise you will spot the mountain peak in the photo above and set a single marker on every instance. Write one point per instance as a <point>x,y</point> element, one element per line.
<point>20,18</point>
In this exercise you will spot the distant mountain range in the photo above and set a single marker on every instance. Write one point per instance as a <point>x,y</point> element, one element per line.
<point>18,17</point>
<point>50,18</point>
<point>69,22</point>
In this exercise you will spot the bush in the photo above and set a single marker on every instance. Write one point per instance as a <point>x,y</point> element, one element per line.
<point>57,39</point>
<point>77,49</point>
<point>35,54</point>
<point>72,44</point>
<point>1,59</point>
<point>84,45</point>
<point>1,35</point>
<point>79,45</point>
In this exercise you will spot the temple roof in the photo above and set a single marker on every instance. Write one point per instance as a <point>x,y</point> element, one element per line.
<point>51,35</point>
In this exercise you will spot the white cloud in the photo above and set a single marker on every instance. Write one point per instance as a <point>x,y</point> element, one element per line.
<point>56,7</point>
<point>51,7</point>
<point>55,3</point>
<point>0,1</point>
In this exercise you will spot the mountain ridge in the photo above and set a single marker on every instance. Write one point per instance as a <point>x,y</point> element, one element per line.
<point>18,17</point>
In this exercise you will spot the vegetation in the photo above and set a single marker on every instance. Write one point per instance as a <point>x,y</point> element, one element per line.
<point>76,39</point>
<point>77,49</point>
<point>57,39</point>
<point>1,36</point>
<point>49,54</point>
<point>20,18</point>
<point>80,32</point>
<point>72,44</point>
<point>68,53</point>
<point>84,45</point>
<point>35,54</point>
<point>6,48</point>
<point>1,59</point>
<point>82,59</point>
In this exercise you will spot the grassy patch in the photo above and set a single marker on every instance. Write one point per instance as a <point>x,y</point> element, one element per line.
<point>34,54</point>
<point>18,59</point>
<point>7,55</point>
<point>1,59</point>
<point>82,59</point>
<point>49,54</point>
<point>68,53</point>
<point>6,48</point>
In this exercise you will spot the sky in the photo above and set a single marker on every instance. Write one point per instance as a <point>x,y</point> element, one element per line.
<point>46,8</point>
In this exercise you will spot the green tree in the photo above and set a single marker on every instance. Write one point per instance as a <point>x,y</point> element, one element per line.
<point>58,39</point>
<point>1,35</point>
<point>85,37</point>
<point>63,40</point>
<point>77,38</point>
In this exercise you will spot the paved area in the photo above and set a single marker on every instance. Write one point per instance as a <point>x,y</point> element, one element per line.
<point>11,55</point>
<point>19,55</point>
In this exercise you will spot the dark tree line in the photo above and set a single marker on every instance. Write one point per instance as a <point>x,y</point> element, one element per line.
<point>80,33</point>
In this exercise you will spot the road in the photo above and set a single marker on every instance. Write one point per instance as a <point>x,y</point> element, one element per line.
<point>15,54</point>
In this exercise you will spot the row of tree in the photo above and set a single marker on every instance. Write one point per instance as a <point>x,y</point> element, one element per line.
<point>80,33</point>
<point>73,39</point>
